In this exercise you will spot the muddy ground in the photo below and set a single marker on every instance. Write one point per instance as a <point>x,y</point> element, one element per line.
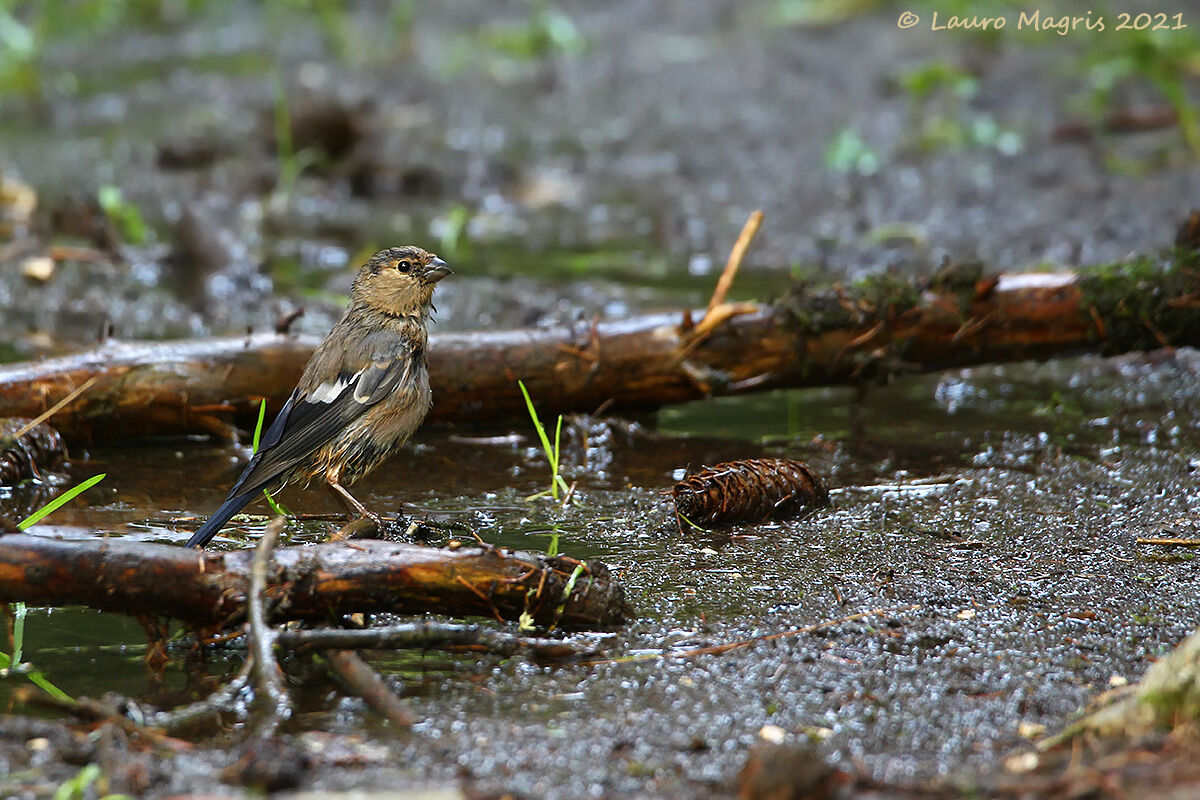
<point>574,159</point>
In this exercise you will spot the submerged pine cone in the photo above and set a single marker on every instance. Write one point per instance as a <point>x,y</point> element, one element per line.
<point>751,490</point>
<point>37,450</point>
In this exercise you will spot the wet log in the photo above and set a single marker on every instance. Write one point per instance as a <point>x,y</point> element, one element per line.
<point>209,588</point>
<point>868,331</point>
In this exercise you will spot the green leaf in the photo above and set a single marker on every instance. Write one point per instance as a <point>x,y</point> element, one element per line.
<point>123,215</point>
<point>19,612</point>
<point>551,452</point>
<point>61,500</point>
<point>43,683</point>
<point>849,153</point>
<point>74,788</point>
<point>262,413</point>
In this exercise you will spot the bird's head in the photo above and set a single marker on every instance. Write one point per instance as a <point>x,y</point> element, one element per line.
<point>399,281</point>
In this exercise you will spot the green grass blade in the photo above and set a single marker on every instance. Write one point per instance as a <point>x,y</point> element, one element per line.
<point>278,508</point>
<point>557,439</point>
<point>566,594</point>
<point>75,788</point>
<point>262,413</point>
<point>36,677</point>
<point>60,501</point>
<point>19,612</point>
<point>39,680</point>
<point>555,478</point>
<point>537,423</point>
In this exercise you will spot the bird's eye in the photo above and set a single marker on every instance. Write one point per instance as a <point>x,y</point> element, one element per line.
<point>404,266</point>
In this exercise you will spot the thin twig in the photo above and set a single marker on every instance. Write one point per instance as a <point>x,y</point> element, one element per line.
<point>90,709</point>
<point>360,678</point>
<point>284,324</point>
<point>268,677</point>
<point>712,320</point>
<point>1169,542</point>
<point>61,252</point>
<point>1157,334</point>
<point>734,262</point>
<point>211,706</point>
<point>45,415</point>
<point>425,635</point>
<point>479,593</point>
<point>718,310</point>
<point>859,340</point>
<point>724,648</point>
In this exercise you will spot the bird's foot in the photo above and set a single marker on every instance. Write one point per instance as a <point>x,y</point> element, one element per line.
<point>360,528</point>
<point>401,528</point>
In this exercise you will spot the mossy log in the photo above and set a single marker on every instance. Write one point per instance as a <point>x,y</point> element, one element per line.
<point>208,588</point>
<point>1168,695</point>
<point>868,331</point>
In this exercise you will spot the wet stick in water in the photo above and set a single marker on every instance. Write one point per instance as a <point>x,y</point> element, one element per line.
<point>429,634</point>
<point>360,678</point>
<point>268,677</point>
<point>310,582</point>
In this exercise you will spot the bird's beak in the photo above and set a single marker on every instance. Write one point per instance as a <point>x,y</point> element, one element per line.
<point>438,269</point>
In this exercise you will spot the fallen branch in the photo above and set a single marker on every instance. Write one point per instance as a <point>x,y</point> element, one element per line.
<point>845,334</point>
<point>427,635</point>
<point>209,588</point>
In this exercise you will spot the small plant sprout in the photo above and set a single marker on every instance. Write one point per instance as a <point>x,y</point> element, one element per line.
<point>552,452</point>
<point>262,413</point>
<point>124,215</point>
<point>80,786</point>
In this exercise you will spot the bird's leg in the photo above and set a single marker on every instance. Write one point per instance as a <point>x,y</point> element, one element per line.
<point>354,509</point>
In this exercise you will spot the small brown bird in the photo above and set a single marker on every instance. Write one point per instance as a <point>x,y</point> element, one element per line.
<point>362,394</point>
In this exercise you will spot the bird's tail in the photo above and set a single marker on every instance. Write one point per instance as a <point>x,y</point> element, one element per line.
<point>222,515</point>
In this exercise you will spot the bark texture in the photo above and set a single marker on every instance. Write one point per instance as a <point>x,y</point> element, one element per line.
<point>208,588</point>
<point>865,332</point>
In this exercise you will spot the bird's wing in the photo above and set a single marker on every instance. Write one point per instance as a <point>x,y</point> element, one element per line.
<point>313,417</point>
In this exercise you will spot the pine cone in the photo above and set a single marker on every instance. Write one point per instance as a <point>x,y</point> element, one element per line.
<point>750,490</point>
<point>40,448</point>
